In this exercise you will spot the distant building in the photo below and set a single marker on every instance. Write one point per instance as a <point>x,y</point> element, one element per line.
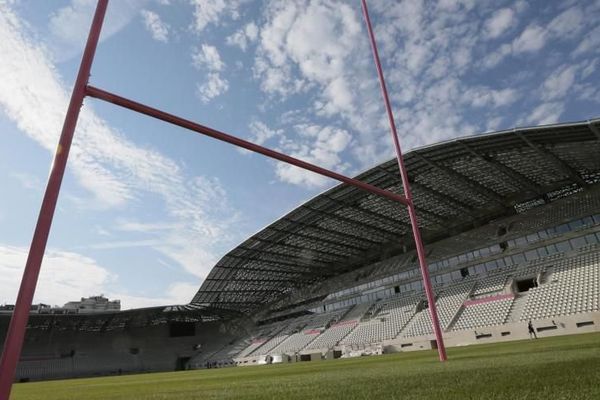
<point>86,305</point>
<point>93,304</point>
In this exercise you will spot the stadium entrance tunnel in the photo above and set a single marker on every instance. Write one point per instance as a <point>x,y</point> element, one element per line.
<point>523,285</point>
<point>180,329</point>
<point>182,363</point>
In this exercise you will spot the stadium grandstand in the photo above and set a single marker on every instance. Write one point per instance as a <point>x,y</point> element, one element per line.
<point>511,226</point>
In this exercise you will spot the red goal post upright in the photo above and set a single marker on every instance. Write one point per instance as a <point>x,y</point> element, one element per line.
<point>15,335</point>
<point>16,332</point>
<point>407,192</point>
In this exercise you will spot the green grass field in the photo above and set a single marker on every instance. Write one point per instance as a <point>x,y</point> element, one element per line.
<point>565,367</point>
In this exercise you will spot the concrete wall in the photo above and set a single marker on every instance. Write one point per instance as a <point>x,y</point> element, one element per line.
<point>564,325</point>
<point>52,354</point>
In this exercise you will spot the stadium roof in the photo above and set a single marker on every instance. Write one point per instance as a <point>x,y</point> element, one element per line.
<point>104,321</point>
<point>457,185</point>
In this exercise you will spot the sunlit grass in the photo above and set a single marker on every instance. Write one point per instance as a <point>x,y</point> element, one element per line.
<point>565,367</point>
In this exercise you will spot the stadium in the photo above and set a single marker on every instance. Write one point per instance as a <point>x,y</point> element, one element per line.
<point>487,245</point>
<point>512,232</point>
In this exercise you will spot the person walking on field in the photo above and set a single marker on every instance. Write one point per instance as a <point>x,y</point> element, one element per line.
<point>531,330</point>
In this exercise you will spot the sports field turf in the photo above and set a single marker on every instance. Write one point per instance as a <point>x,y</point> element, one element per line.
<point>565,367</point>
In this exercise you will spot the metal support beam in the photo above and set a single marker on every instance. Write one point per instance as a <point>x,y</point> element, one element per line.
<point>594,129</point>
<point>263,297</point>
<point>472,184</point>
<point>251,280</point>
<point>273,244</point>
<point>452,202</point>
<point>244,291</point>
<point>288,233</point>
<point>508,172</point>
<point>244,303</point>
<point>384,181</point>
<point>355,205</point>
<point>361,225</point>
<point>407,193</point>
<point>339,204</point>
<point>560,165</point>
<point>229,285</point>
<point>305,269</point>
<point>15,336</point>
<point>431,218</point>
<point>330,231</point>
<point>311,264</point>
<point>373,214</point>
<point>283,258</point>
<point>258,269</point>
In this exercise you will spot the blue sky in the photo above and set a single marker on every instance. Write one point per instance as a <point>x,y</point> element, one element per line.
<point>146,209</point>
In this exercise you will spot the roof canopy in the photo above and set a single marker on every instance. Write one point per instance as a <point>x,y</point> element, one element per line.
<point>456,185</point>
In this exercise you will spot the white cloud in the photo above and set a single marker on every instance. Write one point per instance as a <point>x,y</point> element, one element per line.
<point>546,113</point>
<point>211,12</point>
<point>589,68</point>
<point>70,24</point>
<point>208,57</point>
<point>590,43</point>
<point>532,39</point>
<point>493,124</point>
<point>341,98</point>
<point>316,38</point>
<point>568,24</point>
<point>429,56</point>
<point>318,145</point>
<point>241,38</point>
<point>261,133</point>
<point>251,31</point>
<point>494,58</point>
<point>136,226</point>
<point>213,86</point>
<point>123,244</point>
<point>67,276</point>
<point>318,48</point>
<point>64,275</point>
<point>34,98</point>
<point>498,23</point>
<point>99,230</point>
<point>558,83</point>
<point>177,293</point>
<point>487,97</point>
<point>109,166</point>
<point>154,25</point>
<point>28,181</point>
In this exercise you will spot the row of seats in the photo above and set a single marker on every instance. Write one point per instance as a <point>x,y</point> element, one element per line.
<point>332,336</point>
<point>490,285</point>
<point>569,285</point>
<point>265,334</point>
<point>390,319</point>
<point>44,369</point>
<point>269,345</point>
<point>448,304</point>
<point>290,332</point>
<point>573,287</point>
<point>484,314</point>
<point>295,343</point>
